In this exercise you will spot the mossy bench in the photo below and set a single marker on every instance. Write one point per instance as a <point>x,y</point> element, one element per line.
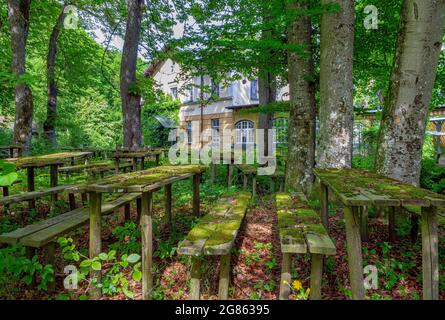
<point>215,235</point>
<point>301,232</point>
<point>43,234</point>
<point>250,172</point>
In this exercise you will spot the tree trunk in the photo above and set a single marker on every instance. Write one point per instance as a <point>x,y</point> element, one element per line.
<point>267,93</point>
<point>336,86</point>
<point>404,118</point>
<point>51,111</point>
<point>18,16</point>
<point>301,141</point>
<point>130,96</point>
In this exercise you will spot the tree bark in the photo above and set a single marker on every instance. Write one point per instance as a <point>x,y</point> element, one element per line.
<point>405,113</point>
<point>51,111</point>
<point>336,86</point>
<point>18,16</point>
<point>130,96</point>
<point>267,94</point>
<point>301,139</point>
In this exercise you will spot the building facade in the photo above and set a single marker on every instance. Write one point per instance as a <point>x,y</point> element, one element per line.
<point>225,114</point>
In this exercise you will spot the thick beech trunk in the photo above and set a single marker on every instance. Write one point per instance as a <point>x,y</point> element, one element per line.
<point>336,86</point>
<point>301,141</point>
<point>18,16</point>
<point>406,106</point>
<point>51,111</point>
<point>130,96</point>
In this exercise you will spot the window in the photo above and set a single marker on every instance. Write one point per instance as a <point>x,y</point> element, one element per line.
<point>254,89</point>
<point>280,130</point>
<point>215,88</point>
<point>190,97</point>
<point>244,132</point>
<point>174,92</point>
<point>215,132</point>
<point>189,126</point>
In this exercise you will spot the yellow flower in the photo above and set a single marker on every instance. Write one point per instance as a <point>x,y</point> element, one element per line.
<point>297,285</point>
<point>308,290</point>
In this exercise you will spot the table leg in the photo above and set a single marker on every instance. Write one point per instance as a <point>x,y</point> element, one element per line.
<point>116,165</point>
<point>195,281</point>
<point>196,200</point>
<point>31,186</point>
<point>157,160</point>
<point>391,224</point>
<point>224,277</point>
<point>229,174</point>
<point>364,223</point>
<point>254,186</point>
<point>135,164</point>
<point>354,250</point>
<point>11,152</point>
<point>324,205</point>
<point>168,204</point>
<point>142,163</point>
<point>147,245</point>
<point>95,239</point>
<point>430,254</point>
<point>54,180</point>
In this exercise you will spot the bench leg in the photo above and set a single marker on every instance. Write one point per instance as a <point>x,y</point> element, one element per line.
<point>391,224</point>
<point>254,186</point>
<point>50,250</point>
<point>354,250</point>
<point>229,175</point>
<point>195,281</point>
<point>95,239</point>
<point>414,227</point>
<point>6,194</point>
<point>324,205</point>
<point>138,210</point>
<point>127,212</point>
<point>245,181</point>
<point>430,254</point>
<point>364,223</point>
<point>285,276</point>
<point>30,253</point>
<point>212,173</point>
<point>147,245</point>
<point>72,201</point>
<point>168,204</point>
<point>31,186</point>
<point>196,201</point>
<point>224,277</point>
<point>84,198</point>
<point>316,276</point>
<point>54,177</point>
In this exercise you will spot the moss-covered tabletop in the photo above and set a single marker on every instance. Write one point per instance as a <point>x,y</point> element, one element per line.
<point>362,188</point>
<point>131,155</point>
<point>46,160</point>
<point>144,181</point>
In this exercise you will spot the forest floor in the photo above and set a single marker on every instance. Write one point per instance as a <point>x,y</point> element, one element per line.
<point>256,259</point>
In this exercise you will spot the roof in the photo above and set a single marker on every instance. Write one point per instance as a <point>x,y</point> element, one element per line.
<point>246,106</point>
<point>156,65</point>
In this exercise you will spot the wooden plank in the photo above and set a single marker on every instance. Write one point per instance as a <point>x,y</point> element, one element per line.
<point>147,245</point>
<point>292,241</point>
<point>224,277</point>
<point>354,250</point>
<point>286,277</point>
<point>316,276</point>
<point>191,248</point>
<point>430,254</point>
<point>320,243</point>
<point>195,281</point>
<point>34,195</point>
<point>95,239</point>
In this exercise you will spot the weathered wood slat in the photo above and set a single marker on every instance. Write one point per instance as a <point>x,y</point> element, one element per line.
<point>34,194</point>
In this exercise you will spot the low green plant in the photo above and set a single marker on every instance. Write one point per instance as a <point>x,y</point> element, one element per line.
<point>113,269</point>
<point>128,237</point>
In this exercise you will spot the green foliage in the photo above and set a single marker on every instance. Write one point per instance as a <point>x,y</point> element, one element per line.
<point>113,269</point>
<point>7,174</point>
<point>16,269</point>
<point>128,237</point>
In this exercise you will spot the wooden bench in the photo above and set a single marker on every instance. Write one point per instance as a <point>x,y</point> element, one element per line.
<point>43,234</point>
<point>215,235</point>
<point>83,167</point>
<point>250,172</point>
<point>102,170</point>
<point>301,232</point>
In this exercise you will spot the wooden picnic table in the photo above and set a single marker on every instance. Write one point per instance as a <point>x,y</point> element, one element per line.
<point>357,189</point>
<point>144,182</point>
<point>11,150</point>
<point>135,157</point>
<point>51,160</point>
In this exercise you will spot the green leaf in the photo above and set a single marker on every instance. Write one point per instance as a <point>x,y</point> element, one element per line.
<point>103,256</point>
<point>8,179</point>
<point>96,265</point>
<point>133,258</point>
<point>85,263</point>
<point>137,275</point>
